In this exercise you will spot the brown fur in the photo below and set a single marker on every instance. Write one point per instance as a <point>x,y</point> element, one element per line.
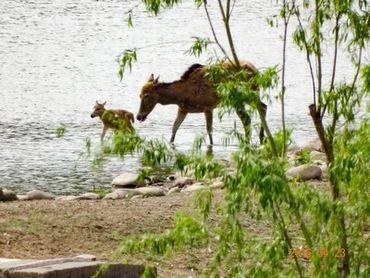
<point>193,93</point>
<point>111,118</point>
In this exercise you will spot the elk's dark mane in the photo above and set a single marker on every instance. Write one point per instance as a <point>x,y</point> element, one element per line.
<point>183,77</point>
<point>190,70</point>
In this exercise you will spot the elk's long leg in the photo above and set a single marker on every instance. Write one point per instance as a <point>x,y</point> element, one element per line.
<point>209,120</point>
<point>246,121</point>
<point>179,119</point>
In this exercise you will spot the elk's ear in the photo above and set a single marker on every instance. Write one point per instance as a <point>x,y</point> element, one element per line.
<point>97,102</point>
<point>104,103</point>
<point>156,80</point>
<point>151,78</point>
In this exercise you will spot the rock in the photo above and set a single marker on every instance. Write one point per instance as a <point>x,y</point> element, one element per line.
<point>85,257</point>
<point>117,194</point>
<point>150,191</point>
<point>313,145</point>
<point>136,197</point>
<point>7,195</point>
<point>22,197</point>
<point>80,266</point>
<point>304,172</point>
<point>217,184</point>
<point>182,181</point>
<point>173,177</point>
<point>324,170</point>
<point>88,196</point>
<point>174,190</point>
<point>125,180</point>
<point>39,195</point>
<point>66,198</point>
<point>194,187</point>
<point>317,156</point>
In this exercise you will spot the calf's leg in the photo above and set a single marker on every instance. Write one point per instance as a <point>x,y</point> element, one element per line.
<point>103,134</point>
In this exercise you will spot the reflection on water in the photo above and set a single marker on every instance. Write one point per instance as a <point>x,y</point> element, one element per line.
<point>59,57</point>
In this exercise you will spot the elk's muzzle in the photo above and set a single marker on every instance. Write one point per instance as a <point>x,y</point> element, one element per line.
<point>141,117</point>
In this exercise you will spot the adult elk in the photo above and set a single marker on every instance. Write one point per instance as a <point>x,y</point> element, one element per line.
<point>193,93</point>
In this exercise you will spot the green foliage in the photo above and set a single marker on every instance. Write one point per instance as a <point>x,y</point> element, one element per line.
<point>303,157</point>
<point>154,6</point>
<point>60,130</point>
<point>128,57</point>
<point>88,145</point>
<point>149,272</point>
<point>155,153</point>
<point>129,22</point>
<point>365,72</point>
<point>126,143</point>
<point>186,232</point>
<point>102,271</point>
<point>279,141</point>
<point>156,174</point>
<point>199,45</point>
<point>98,161</point>
<point>101,191</point>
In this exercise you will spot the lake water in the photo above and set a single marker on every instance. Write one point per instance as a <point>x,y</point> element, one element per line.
<point>59,56</point>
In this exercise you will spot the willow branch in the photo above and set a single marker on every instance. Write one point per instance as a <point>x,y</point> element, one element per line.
<point>318,55</point>
<point>226,19</point>
<point>336,41</point>
<point>308,59</point>
<point>214,32</point>
<point>284,230</point>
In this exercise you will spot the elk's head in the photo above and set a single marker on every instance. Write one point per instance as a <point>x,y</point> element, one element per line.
<point>149,98</point>
<point>98,109</point>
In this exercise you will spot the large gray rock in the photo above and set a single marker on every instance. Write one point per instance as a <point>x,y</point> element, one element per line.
<point>80,266</point>
<point>194,187</point>
<point>182,181</point>
<point>39,195</point>
<point>128,180</point>
<point>174,190</point>
<point>119,194</point>
<point>22,197</point>
<point>325,173</point>
<point>137,197</point>
<point>304,172</point>
<point>66,198</point>
<point>151,191</point>
<point>218,184</point>
<point>88,196</point>
<point>7,195</point>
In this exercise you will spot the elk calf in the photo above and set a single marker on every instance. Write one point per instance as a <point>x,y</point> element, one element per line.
<point>113,118</point>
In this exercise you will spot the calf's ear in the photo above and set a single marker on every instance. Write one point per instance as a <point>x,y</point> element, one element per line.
<point>151,77</point>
